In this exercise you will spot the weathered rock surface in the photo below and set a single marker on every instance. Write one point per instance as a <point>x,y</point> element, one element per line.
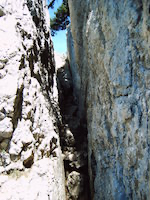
<point>112,61</point>
<point>31,165</point>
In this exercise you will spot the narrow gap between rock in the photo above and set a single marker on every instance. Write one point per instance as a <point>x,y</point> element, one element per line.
<point>73,137</point>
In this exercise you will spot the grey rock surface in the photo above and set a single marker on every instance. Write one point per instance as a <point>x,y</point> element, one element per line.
<point>73,65</point>
<point>31,165</point>
<point>111,55</point>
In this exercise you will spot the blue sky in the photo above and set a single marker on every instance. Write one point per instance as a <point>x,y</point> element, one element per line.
<point>59,40</point>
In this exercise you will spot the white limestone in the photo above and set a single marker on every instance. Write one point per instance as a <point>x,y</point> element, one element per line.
<point>31,165</point>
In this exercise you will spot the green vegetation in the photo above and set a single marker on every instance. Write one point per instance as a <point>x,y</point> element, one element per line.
<point>61,19</point>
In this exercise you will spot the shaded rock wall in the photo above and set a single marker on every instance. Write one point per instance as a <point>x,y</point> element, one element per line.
<point>31,165</point>
<point>111,45</point>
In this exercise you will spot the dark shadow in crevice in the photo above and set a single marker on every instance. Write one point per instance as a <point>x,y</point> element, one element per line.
<point>18,107</point>
<point>2,13</point>
<point>73,136</point>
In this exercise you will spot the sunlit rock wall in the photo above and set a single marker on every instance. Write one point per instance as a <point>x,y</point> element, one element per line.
<point>31,166</point>
<point>111,45</point>
<point>73,65</point>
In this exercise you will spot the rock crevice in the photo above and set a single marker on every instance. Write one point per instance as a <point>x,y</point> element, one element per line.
<point>73,138</point>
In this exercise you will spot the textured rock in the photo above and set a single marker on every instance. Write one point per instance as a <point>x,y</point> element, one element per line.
<point>31,165</point>
<point>73,65</point>
<point>74,184</point>
<point>111,56</point>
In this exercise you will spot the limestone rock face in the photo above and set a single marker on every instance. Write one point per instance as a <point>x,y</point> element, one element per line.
<point>73,65</point>
<point>111,51</point>
<point>31,166</point>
